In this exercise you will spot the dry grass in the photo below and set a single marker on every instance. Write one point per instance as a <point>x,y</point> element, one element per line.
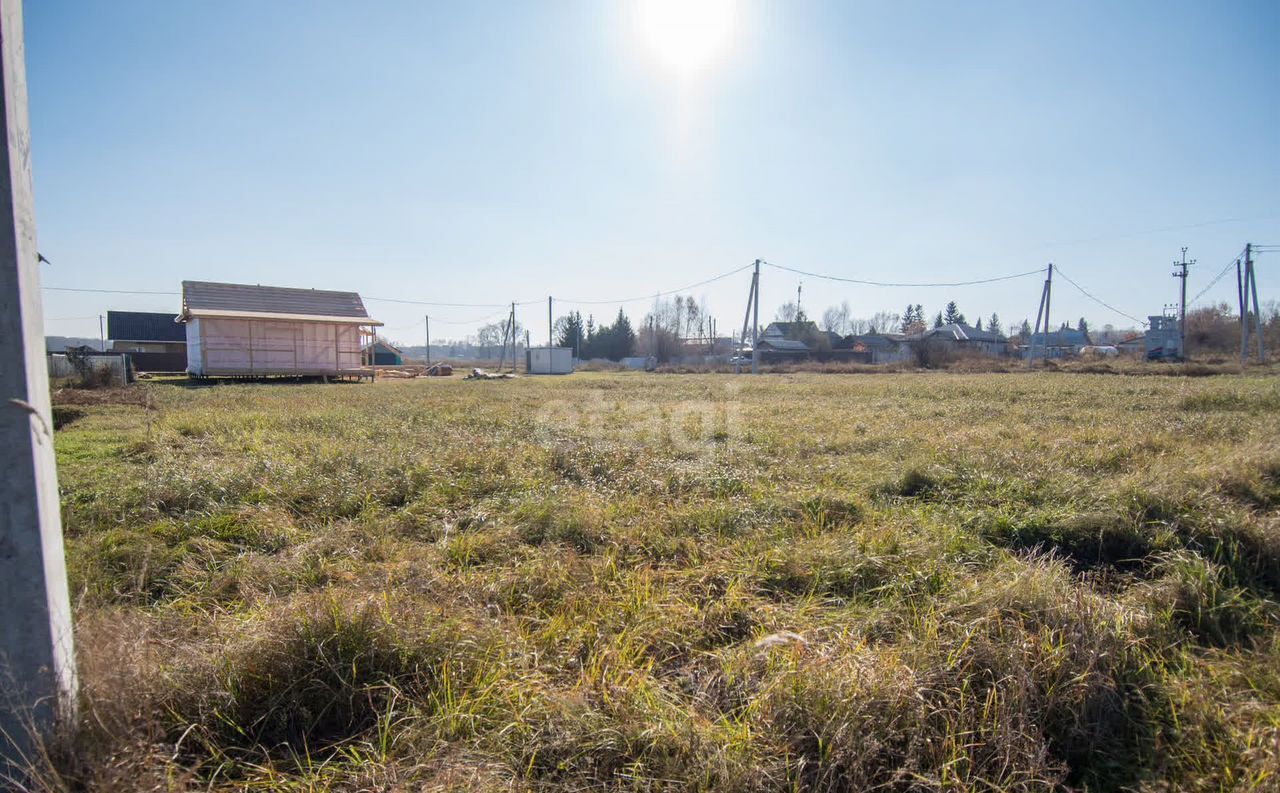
<point>623,581</point>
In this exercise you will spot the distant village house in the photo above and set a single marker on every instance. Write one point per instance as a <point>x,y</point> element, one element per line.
<point>1064,343</point>
<point>959,338</point>
<point>384,354</point>
<point>155,342</point>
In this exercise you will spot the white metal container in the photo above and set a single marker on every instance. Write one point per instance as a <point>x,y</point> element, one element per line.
<point>549,360</point>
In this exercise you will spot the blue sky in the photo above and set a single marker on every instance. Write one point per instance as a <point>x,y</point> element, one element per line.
<point>487,152</point>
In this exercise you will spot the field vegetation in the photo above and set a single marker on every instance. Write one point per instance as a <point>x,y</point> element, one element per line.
<point>933,581</point>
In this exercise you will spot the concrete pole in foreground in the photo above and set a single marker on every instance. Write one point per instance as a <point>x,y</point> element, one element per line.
<point>37,662</point>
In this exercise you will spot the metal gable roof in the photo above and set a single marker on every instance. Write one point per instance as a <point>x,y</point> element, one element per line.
<point>784,345</point>
<point>878,340</point>
<point>790,330</point>
<point>963,333</point>
<point>206,296</point>
<point>144,326</point>
<point>1067,337</point>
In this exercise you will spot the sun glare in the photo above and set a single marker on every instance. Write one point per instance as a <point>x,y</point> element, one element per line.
<point>686,37</point>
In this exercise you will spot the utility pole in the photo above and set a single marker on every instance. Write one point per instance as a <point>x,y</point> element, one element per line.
<point>1182,303</point>
<point>1250,321</point>
<point>1042,313</point>
<point>550,327</point>
<point>755,322</point>
<point>37,662</point>
<point>1048,300</point>
<point>509,330</point>
<point>799,286</point>
<point>746,318</point>
<point>1244,316</point>
<point>653,336</point>
<point>102,336</point>
<point>1251,282</point>
<point>502,356</point>
<point>428,321</point>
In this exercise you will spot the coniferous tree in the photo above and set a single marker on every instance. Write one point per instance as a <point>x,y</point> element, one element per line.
<point>913,321</point>
<point>614,342</point>
<point>623,342</point>
<point>993,324</point>
<point>937,321</point>
<point>572,333</point>
<point>953,315</point>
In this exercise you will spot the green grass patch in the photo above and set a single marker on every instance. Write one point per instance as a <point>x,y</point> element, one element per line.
<point>1024,581</point>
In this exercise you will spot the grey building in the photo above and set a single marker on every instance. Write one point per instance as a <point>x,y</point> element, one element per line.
<point>962,338</point>
<point>1162,339</point>
<point>1062,343</point>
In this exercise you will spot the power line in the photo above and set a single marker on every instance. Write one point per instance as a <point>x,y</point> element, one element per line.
<point>653,295</point>
<point>466,321</point>
<point>1216,279</point>
<point>864,282</point>
<point>438,305</point>
<point>106,291</point>
<point>1160,230</point>
<point>1095,298</point>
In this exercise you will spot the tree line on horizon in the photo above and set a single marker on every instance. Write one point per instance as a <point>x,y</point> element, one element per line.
<point>673,322</point>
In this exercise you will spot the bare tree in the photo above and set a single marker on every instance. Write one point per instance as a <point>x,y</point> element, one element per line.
<point>491,336</point>
<point>787,312</point>
<point>836,318</point>
<point>884,322</point>
<point>692,317</point>
<point>670,321</point>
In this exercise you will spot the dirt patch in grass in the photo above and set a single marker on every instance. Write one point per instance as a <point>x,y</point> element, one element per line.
<point>127,395</point>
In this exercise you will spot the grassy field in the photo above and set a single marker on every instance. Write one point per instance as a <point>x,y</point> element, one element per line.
<point>636,582</point>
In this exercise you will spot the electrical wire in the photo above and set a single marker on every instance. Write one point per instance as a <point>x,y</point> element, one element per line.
<point>1095,298</point>
<point>864,282</point>
<point>1144,232</point>
<point>469,321</point>
<point>653,295</point>
<point>105,291</point>
<point>440,305</point>
<point>1234,260</point>
<point>378,299</point>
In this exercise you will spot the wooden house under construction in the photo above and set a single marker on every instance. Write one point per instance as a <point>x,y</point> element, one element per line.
<point>239,330</point>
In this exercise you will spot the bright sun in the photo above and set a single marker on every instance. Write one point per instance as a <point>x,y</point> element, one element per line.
<point>686,37</point>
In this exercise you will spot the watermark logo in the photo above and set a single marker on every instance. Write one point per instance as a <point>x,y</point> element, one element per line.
<point>703,426</point>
